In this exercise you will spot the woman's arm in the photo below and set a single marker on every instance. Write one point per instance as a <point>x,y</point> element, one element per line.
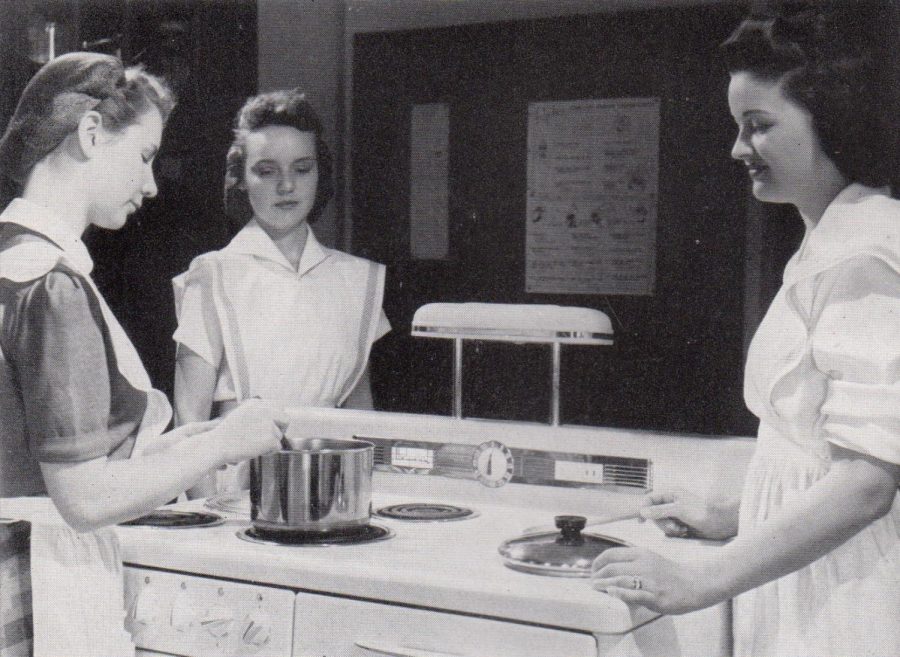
<point>195,383</point>
<point>857,490</point>
<point>98,492</point>
<point>361,395</point>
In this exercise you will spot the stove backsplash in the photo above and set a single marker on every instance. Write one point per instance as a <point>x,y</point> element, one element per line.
<point>495,464</point>
<point>429,450</point>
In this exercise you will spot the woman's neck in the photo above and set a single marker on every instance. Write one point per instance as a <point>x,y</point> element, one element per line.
<point>60,192</point>
<point>817,201</point>
<point>290,242</point>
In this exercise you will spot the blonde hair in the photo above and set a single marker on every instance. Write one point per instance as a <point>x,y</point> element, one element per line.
<point>59,95</point>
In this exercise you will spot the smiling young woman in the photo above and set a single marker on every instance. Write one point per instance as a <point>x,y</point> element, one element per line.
<point>815,561</point>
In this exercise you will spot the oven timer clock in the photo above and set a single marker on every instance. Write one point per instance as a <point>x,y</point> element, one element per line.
<point>493,463</point>
<point>490,463</point>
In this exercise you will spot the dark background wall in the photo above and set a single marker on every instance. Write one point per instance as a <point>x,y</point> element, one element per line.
<point>677,362</point>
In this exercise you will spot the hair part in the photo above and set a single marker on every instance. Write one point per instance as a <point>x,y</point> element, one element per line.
<point>276,108</point>
<point>61,93</point>
<point>827,61</point>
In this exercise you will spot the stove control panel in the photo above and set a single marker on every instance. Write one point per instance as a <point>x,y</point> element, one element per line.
<point>181,614</point>
<point>494,464</point>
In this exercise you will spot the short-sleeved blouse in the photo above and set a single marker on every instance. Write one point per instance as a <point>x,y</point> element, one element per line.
<point>64,398</point>
<point>824,369</point>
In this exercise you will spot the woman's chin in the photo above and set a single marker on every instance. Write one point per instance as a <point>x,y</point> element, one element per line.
<point>110,220</point>
<point>766,193</point>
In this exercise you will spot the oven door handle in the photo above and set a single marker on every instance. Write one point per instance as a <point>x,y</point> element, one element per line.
<point>402,651</point>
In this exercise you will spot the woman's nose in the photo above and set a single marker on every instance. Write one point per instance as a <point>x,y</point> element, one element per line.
<point>286,184</point>
<point>149,189</point>
<point>741,150</point>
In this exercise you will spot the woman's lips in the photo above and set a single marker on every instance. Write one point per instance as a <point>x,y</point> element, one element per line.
<point>287,205</point>
<point>756,169</point>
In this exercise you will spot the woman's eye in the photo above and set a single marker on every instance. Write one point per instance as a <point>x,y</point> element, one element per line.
<point>303,168</point>
<point>264,171</point>
<point>757,127</point>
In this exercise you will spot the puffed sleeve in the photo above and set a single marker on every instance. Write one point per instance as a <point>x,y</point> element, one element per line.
<point>198,324</point>
<point>856,343</point>
<point>61,359</point>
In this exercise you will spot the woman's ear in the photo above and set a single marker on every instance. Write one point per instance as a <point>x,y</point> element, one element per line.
<point>89,127</point>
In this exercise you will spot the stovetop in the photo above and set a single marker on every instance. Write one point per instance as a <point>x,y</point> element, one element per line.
<point>453,566</point>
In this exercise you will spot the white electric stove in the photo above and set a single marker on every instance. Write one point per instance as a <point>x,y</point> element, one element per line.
<point>432,589</point>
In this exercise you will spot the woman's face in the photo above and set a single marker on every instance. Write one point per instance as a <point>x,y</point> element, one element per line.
<point>281,175</point>
<point>777,143</point>
<point>123,163</point>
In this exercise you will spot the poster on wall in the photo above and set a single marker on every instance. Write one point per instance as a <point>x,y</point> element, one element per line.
<point>429,233</point>
<point>593,170</point>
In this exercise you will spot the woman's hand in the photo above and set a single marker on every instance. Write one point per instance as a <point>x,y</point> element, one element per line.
<point>639,576</point>
<point>253,428</point>
<point>680,513</point>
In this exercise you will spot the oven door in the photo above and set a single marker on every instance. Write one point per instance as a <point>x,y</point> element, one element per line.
<point>341,627</point>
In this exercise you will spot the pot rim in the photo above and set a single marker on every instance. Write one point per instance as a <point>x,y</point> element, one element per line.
<point>352,446</point>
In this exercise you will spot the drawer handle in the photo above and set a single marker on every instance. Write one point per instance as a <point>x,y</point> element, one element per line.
<point>402,651</point>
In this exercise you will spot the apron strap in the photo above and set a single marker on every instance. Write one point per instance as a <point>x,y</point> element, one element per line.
<point>368,326</point>
<point>234,349</point>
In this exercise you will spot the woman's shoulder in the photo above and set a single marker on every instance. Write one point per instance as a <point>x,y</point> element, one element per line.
<point>204,264</point>
<point>342,258</point>
<point>26,258</point>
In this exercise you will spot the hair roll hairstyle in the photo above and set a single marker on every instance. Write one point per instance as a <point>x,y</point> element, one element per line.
<point>829,60</point>
<point>60,94</point>
<point>284,108</point>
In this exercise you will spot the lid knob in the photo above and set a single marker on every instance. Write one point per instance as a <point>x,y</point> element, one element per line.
<point>570,529</point>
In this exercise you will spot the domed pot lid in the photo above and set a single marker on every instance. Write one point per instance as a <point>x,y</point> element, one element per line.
<point>566,553</point>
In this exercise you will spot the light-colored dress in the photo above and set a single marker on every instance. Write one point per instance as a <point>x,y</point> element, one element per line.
<point>301,337</point>
<point>824,368</point>
<point>76,578</point>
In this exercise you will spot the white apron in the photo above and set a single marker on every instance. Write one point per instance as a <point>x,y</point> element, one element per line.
<point>77,578</point>
<point>299,337</point>
<point>824,367</point>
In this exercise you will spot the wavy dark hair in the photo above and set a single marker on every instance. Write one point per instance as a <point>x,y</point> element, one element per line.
<point>60,94</point>
<point>836,61</point>
<point>284,108</point>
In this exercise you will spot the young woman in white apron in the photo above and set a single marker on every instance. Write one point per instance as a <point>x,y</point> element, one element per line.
<point>815,565</point>
<point>275,314</point>
<point>79,419</point>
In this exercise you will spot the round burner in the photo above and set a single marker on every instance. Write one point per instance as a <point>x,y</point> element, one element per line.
<point>229,503</point>
<point>351,536</point>
<point>171,519</point>
<point>425,512</point>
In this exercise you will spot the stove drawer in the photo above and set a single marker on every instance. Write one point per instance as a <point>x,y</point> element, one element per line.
<point>175,614</point>
<point>330,626</point>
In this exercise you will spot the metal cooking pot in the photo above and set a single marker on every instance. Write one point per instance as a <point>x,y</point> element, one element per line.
<point>319,485</point>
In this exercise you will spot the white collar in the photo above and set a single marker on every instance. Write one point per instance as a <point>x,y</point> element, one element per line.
<point>860,220</point>
<point>44,222</point>
<point>253,240</point>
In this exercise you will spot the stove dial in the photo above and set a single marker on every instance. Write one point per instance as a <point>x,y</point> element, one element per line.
<point>149,606</point>
<point>256,630</point>
<point>493,464</point>
<point>217,621</point>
